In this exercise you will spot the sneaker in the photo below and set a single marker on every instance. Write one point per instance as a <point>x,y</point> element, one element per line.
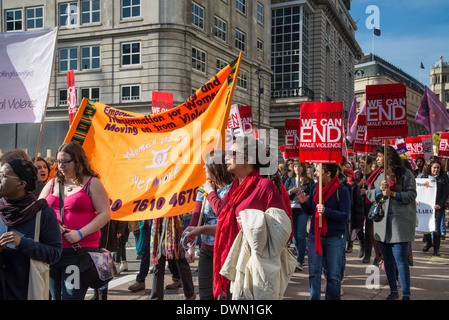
<point>123,266</point>
<point>299,266</point>
<point>137,286</point>
<point>175,284</point>
<point>393,296</point>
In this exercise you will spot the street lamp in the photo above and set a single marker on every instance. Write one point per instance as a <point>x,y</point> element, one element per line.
<point>259,76</point>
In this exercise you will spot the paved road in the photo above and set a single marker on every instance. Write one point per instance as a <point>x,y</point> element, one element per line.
<point>429,278</point>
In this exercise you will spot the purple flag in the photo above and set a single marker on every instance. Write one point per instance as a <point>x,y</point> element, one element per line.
<point>351,119</point>
<point>431,113</point>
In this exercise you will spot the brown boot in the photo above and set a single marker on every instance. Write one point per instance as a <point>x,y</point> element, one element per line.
<point>137,286</point>
<point>176,283</point>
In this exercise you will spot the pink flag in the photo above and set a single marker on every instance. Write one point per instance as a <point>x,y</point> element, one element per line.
<point>431,113</point>
<point>351,120</point>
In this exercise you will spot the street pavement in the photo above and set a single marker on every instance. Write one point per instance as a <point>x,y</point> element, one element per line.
<point>429,278</point>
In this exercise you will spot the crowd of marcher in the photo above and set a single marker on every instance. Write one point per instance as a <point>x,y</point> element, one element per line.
<point>246,220</point>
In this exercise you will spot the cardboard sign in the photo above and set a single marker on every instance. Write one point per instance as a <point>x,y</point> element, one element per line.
<point>386,108</point>
<point>321,132</point>
<point>291,138</point>
<point>426,190</point>
<point>161,101</point>
<point>427,145</point>
<point>414,145</point>
<point>443,149</point>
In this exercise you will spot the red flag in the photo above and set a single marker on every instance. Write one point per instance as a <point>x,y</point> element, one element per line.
<point>71,95</point>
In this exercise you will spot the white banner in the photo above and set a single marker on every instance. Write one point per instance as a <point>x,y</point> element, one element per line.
<point>26,64</point>
<point>426,188</point>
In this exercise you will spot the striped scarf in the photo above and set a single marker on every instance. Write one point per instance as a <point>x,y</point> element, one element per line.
<point>170,230</point>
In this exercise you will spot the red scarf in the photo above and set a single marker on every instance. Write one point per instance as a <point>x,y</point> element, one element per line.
<point>328,190</point>
<point>227,230</point>
<point>374,176</point>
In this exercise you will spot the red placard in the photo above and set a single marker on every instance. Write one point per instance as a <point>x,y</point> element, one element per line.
<point>414,145</point>
<point>161,101</point>
<point>386,108</point>
<point>443,150</point>
<point>291,138</point>
<point>321,132</point>
<point>361,144</point>
<point>245,118</point>
<point>71,95</point>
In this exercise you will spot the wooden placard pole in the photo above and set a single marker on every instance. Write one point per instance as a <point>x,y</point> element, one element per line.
<point>320,192</point>
<point>385,160</point>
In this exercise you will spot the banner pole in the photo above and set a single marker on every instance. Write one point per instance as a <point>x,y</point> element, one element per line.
<point>320,191</point>
<point>385,160</point>
<point>48,97</point>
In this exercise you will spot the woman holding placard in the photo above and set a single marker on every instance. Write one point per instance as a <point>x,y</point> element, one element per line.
<point>433,171</point>
<point>397,229</point>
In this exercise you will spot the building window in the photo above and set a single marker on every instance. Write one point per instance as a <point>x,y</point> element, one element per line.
<point>130,53</point>
<point>198,60</point>
<point>259,45</point>
<point>90,57</point>
<point>93,94</point>
<point>68,14</point>
<point>240,40</point>
<point>35,18</point>
<point>62,97</point>
<point>242,80</point>
<point>290,50</point>
<point>14,20</point>
<point>220,27</point>
<point>197,15</point>
<point>90,11</point>
<point>221,64</point>
<point>240,5</point>
<point>130,93</point>
<point>130,8</point>
<point>68,59</point>
<point>259,12</point>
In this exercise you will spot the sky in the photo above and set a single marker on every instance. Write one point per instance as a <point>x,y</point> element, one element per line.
<point>412,31</point>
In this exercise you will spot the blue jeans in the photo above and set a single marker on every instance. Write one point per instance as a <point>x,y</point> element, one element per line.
<point>332,260</point>
<point>395,255</point>
<point>299,233</point>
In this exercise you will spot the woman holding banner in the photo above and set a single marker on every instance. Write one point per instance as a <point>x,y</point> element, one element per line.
<point>397,229</point>
<point>85,205</point>
<point>250,190</point>
<point>433,171</point>
<point>221,179</point>
<point>326,245</point>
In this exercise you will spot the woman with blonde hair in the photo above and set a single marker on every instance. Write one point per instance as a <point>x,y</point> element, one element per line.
<point>300,218</point>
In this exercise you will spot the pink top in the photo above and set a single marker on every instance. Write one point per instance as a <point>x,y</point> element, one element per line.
<point>78,212</point>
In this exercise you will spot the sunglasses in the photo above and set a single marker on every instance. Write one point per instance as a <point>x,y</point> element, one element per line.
<point>64,162</point>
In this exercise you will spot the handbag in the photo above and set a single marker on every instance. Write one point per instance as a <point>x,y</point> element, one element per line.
<point>39,279</point>
<point>97,268</point>
<point>376,212</point>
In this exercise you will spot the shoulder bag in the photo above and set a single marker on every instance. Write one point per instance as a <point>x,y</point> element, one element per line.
<point>376,212</point>
<point>39,279</point>
<point>97,268</point>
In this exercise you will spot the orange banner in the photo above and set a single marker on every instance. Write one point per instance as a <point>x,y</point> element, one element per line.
<point>152,165</point>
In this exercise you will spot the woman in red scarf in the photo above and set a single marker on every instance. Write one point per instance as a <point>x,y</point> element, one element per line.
<point>248,191</point>
<point>326,245</point>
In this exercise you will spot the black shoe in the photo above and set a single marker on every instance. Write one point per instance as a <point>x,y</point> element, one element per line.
<point>361,253</point>
<point>393,296</point>
<point>348,249</point>
<point>426,248</point>
<point>366,259</point>
<point>436,252</point>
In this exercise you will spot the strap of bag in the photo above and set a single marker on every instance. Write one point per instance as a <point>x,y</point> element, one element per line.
<point>37,228</point>
<point>61,202</point>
